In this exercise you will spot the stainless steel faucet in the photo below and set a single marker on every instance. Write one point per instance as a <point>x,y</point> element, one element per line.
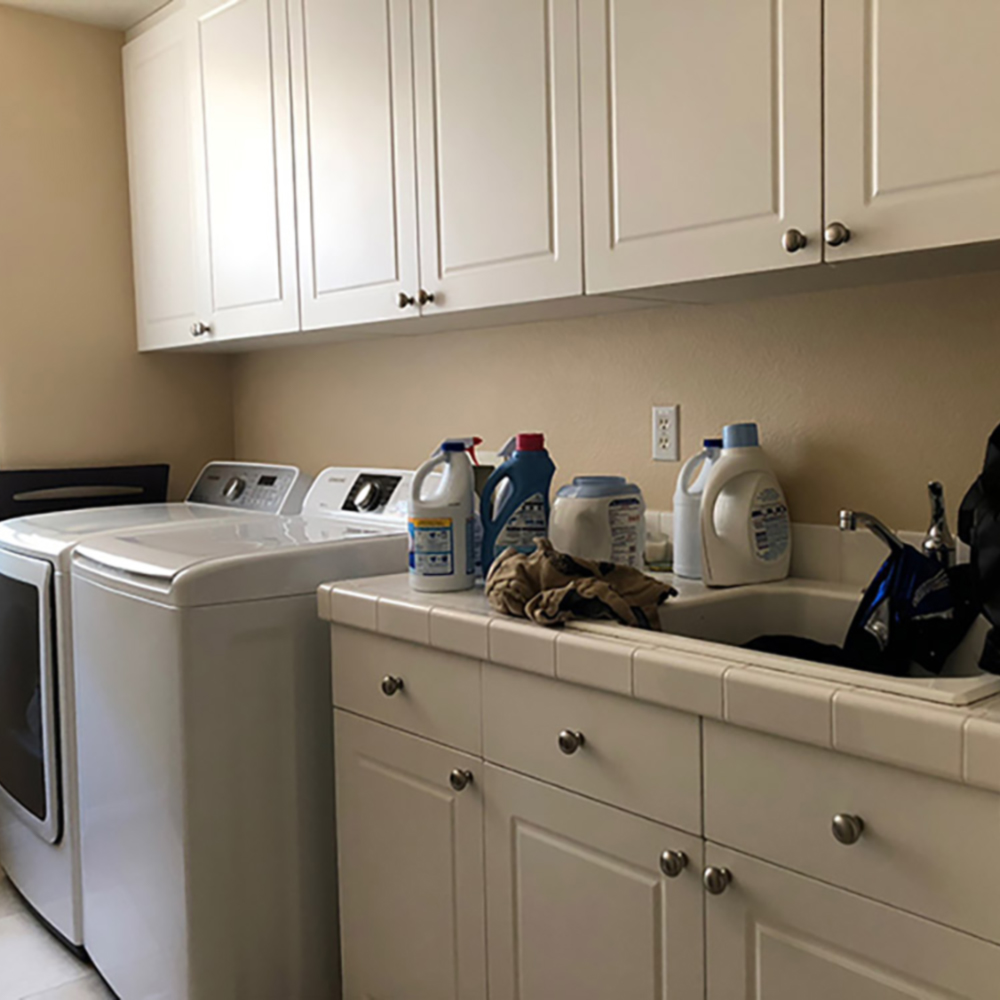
<point>939,543</point>
<point>851,520</point>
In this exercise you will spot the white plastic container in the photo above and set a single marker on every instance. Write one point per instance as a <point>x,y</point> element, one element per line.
<point>442,524</point>
<point>601,518</point>
<point>745,529</point>
<point>687,509</point>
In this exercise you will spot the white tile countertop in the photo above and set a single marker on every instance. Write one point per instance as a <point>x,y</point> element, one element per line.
<point>823,706</point>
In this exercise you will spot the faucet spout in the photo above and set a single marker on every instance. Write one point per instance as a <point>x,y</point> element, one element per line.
<point>851,520</point>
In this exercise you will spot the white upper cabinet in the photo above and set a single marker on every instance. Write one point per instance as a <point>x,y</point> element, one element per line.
<point>159,67</point>
<point>912,113</point>
<point>702,138</point>
<point>246,190</point>
<point>356,186</point>
<point>497,151</point>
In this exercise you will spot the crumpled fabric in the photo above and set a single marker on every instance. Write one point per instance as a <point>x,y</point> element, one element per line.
<point>550,588</point>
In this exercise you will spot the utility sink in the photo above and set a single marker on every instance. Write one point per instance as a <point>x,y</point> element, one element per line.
<point>814,610</point>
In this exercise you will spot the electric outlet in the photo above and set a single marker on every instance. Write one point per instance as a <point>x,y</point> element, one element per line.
<point>666,433</point>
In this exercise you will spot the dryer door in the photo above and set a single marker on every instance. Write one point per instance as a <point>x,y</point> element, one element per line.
<point>29,766</point>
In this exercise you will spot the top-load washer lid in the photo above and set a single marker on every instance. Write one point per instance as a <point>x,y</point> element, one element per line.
<point>231,560</point>
<point>212,496</point>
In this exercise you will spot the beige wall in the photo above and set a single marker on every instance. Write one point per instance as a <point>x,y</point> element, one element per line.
<point>862,395</point>
<point>73,390</point>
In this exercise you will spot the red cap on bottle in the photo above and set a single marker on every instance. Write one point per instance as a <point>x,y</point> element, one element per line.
<point>530,442</point>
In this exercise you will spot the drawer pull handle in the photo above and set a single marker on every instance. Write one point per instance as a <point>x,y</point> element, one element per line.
<point>672,863</point>
<point>390,685</point>
<point>716,880</point>
<point>847,828</point>
<point>460,779</point>
<point>570,740</point>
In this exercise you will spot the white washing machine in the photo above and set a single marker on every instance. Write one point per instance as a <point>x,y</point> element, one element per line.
<point>205,742</point>
<point>39,828</point>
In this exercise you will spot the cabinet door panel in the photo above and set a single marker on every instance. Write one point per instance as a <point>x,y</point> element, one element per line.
<point>701,137</point>
<point>245,145</point>
<point>498,151</point>
<point>353,80</point>
<point>912,98</point>
<point>411,867</point>
<point>159,67</point>
<point>774,935</point>
<point>578,906</point>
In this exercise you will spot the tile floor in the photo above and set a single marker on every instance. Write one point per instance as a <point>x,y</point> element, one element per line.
<point>33,964</point>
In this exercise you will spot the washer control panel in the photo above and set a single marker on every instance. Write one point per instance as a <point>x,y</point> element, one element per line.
<point>247,486</point>
<point>380,494</point>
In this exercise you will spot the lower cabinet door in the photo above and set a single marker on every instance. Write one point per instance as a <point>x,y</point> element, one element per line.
<point>411,866</point>
<point>579,905</point>
<point>775,935</point>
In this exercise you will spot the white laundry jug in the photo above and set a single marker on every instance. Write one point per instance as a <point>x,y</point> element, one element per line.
<point>745,528</point>
<point>687,509</point>
<point>442,524</point>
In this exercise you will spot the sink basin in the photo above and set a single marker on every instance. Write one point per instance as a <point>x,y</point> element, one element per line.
<point>818,610</point>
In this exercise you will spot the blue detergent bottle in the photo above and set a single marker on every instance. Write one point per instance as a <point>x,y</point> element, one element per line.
<point>515,500</point>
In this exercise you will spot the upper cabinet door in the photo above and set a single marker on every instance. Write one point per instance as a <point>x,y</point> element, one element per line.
<point>353,83</point>
<point>912,106</point>
<point>159,66</point>
<point>702,138</point>
<point>497,151</point>
<point>244,144</point>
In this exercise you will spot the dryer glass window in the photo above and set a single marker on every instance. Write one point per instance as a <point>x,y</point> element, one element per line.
<point>22,746</point>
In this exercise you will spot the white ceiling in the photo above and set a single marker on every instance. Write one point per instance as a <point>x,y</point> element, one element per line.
<point>107,13</point>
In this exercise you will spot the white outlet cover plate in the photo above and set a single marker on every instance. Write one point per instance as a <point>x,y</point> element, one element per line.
<point>667,433</point>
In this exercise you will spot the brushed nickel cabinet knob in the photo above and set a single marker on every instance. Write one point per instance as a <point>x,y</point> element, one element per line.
<point>672,863</point>
<point>460,779</point>
<point>201,329</point>
<point>717,880</point>
<point>836,234</point>
<point>847,829</point>
<point>794,240</point>
<point>570,740</point>
<point>390,685</point>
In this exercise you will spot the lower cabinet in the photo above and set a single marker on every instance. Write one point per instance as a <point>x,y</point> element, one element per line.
<point>775,935</point>
<point>580,904</point>
<point>411,866</point>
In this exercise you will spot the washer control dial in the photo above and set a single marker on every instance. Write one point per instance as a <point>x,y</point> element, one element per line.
<point>368,497</point>
<point>235,488</point>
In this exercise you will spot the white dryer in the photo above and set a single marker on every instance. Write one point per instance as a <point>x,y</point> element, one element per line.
<point>205,741</point>
<point>39,828</point>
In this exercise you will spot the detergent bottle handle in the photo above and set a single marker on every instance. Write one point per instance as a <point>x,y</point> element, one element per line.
<point>692,467</point>
<point>488,515</point>
<point>417,489</point>
<point>712,490</point>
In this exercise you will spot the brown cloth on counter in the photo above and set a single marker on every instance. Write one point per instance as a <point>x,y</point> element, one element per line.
<point>550,588</point>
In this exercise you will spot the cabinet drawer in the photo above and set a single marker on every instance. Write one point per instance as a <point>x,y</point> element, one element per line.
<point>927,845</point>
<point>439,697</point>
<point>637,756</point>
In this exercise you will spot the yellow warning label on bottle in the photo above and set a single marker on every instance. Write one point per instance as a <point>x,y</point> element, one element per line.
<point>431,522</point>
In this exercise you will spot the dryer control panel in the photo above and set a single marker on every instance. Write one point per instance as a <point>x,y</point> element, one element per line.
<point>251,487</point>
<point>379,494</point>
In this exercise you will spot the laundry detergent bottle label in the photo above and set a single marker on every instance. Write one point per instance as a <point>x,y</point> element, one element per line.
<point>770,524</point>
<point>432,546</point>
<point>528,522</point>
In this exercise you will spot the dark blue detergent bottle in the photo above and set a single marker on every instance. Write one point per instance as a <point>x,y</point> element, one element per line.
<point>515,500</point>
